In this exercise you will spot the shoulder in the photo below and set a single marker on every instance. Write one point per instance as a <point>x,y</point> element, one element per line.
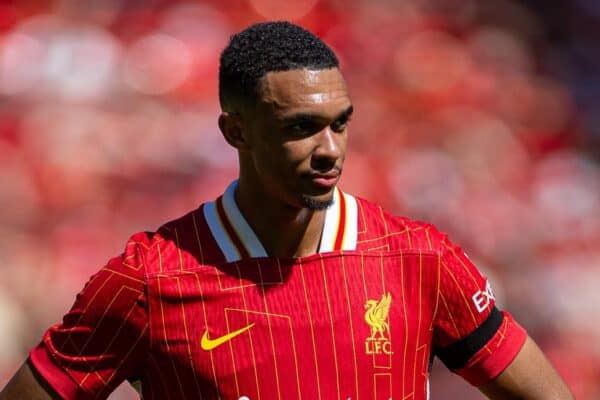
<point>178,244</point>
<point>382,230</point>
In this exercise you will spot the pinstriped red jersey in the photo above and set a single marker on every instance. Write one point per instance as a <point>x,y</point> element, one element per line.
<point>197,310</point>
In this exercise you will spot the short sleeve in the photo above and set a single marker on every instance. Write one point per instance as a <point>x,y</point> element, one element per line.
<point>472,337</point>
<point>103,339</point>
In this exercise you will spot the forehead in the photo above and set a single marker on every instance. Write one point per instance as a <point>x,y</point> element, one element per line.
<point>304,90</point>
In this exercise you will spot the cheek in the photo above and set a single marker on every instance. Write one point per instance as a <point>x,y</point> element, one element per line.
<point>297,153</point>
<point>290,152</point>
<point>275,160</point>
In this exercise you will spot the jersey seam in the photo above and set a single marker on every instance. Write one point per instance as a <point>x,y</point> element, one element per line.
<point>191,269</point>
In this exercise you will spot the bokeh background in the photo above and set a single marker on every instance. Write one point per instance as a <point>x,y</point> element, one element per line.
<point>480,116</point>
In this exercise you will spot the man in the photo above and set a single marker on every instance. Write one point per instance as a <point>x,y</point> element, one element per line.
<point>285,287</point>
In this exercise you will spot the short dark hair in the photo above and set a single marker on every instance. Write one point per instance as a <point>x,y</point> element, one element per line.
<point>267,47</point>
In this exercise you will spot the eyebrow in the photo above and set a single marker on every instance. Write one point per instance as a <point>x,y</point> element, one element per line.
<point>312,116</point>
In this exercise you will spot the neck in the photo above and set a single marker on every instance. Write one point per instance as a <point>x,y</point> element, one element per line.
<point>283,230</point>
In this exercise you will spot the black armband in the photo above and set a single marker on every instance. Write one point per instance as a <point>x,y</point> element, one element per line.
<point>457,354</point>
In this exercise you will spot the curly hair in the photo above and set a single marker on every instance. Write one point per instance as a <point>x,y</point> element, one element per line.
<point>267,47</point>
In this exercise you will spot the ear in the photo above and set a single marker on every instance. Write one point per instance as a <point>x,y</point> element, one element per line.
<point>232,128</point>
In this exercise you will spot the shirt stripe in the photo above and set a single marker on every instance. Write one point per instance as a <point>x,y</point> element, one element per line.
<point>341,224</point>
<point>330,228</point>
<point>238,222</point>
<point>218,232</point>
<point>340,231</point>
<point>351,228</point>
<point>230,230</point>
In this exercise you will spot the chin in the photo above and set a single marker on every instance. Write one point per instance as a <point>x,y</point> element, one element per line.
<point>315,203</point>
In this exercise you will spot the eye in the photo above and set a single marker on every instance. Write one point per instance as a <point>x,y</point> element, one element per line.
<point>302,128</point>
<point>340,124</point>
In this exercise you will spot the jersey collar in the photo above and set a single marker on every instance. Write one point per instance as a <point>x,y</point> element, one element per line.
<point>237,240</point>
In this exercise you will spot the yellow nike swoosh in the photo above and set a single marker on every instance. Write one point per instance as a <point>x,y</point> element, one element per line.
<point>209,344</point>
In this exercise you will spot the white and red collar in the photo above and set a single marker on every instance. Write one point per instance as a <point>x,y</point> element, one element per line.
<point>237,240</point>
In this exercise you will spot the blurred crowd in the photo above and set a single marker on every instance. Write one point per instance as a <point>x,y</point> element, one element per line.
<point>479,116</point>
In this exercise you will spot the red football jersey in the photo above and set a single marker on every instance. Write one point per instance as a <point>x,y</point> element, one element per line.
<point>198,310</point>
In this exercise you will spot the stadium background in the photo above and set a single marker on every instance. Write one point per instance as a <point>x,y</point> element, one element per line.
<point>480,116</point>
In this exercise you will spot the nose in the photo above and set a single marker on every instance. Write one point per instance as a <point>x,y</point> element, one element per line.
<point>328,149</point>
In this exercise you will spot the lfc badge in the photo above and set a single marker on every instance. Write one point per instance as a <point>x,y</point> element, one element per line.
<point>376,317</point>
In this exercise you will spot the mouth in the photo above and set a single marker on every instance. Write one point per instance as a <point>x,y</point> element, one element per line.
<point>325,180</point>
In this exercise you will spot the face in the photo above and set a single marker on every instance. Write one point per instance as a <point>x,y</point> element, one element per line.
<point>296,136</point>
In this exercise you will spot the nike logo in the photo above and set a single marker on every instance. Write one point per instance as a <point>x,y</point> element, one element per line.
<point>209,344</point>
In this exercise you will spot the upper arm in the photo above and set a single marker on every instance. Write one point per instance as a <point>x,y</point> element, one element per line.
<point>27,384</point>
<point>529,377</point>
<point>471,336</point>
<point>488,349</point>
<point>103,339</point>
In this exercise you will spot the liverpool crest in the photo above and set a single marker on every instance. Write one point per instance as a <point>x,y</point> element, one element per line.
<point>376,317</point>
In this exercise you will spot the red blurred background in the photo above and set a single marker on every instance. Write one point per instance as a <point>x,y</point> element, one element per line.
<point>484,112</point>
